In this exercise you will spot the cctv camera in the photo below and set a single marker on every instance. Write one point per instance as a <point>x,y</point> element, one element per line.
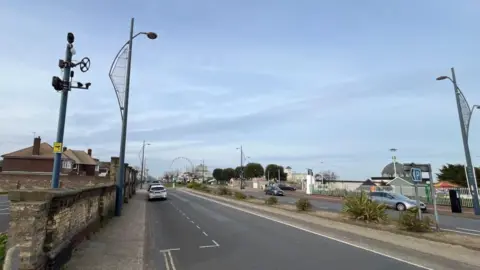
<point>70,38</point>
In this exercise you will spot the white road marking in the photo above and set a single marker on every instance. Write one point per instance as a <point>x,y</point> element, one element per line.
<point>448,230</point>
<point>167,256</point>
<point>187,217</point>
<point>192,221</point>
<point>1,209</point>
<point>309,231</point>
<point>204,233</point>
<point>215,244</point>
<point>198,227</point>
<point>470,230</point>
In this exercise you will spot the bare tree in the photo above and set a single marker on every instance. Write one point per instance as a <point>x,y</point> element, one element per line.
<point>328,175</point>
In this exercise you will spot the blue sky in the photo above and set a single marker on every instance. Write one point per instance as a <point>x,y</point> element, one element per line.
<point>320,84</point>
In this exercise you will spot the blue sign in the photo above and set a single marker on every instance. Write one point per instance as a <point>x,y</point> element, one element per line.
<point>416,174</point>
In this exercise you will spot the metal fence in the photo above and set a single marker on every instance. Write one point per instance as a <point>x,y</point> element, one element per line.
<point>424,192</point>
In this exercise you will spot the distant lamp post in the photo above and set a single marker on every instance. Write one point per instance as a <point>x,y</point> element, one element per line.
<point>464,116</point>
<point>394,161</point>
<point>120,76</point>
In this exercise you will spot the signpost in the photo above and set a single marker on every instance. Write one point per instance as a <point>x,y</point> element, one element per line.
<point>57,147</point>
<point>416,174</point>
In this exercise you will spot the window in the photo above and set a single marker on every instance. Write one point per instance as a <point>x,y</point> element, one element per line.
<point>66,164</point>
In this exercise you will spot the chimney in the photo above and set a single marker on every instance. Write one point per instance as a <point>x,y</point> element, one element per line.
<point>89,152</point>
<point>64,148</point>
<point>36,146</point>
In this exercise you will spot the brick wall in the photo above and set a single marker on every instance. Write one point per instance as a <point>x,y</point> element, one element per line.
<point>48,224</point>
<point>12,181</point>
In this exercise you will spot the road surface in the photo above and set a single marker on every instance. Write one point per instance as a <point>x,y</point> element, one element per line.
<point>464,225</point>
<point>188,232</point>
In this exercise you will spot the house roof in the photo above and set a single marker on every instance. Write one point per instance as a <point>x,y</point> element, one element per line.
<point>46,151</point>
<point>80,157</point>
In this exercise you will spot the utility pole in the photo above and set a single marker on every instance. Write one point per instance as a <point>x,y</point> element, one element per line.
<point>203,171</point>
<point>64,86</point>
<point>241,167</point>
<point>279,176</point>
<point>142,165</point>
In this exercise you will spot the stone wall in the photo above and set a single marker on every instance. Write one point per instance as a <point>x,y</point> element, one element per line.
<point>48,224</point>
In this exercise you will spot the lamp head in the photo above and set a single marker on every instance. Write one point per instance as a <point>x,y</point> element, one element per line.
<point>441,78</point>
<point>152,35</point>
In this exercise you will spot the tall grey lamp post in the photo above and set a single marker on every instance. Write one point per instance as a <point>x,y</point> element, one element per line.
<point>120,76</point>
<point>464,115</point>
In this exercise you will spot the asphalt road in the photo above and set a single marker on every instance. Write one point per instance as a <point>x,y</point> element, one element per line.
<point>188,232</point>
<point>462,225</point>
<point>4,213</point>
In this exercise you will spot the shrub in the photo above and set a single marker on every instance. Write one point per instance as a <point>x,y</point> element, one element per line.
<point>303,204</point>
<point>409,221</point>
<point>240,195</point>
<point>224,191</point>
<point>3,246</point>
<point>271,200</point>
<point>251,197</point>
<point>363,208</point>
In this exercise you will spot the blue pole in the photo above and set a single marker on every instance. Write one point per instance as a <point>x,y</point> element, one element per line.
<point>61,118</point>
<point>472,183</point>
<point>121,168</point>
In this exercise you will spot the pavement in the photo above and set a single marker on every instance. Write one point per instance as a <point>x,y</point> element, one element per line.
<point>4,213</point>
<point>459,224</point>
<point>190,232</point>
<point>117,246</point>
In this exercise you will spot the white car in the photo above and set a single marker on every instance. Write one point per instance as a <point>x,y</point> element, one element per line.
<point>157,192</point>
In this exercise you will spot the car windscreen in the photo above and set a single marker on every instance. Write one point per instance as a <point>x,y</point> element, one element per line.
<point>157,188</point>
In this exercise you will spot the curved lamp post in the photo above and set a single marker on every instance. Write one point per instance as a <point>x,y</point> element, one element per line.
<point>126,48</point>
<point>465,114</point>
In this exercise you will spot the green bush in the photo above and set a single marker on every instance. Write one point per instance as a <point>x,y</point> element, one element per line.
<point>224,191</point>
<point>409,221</point>
<point>303,204</point>
<point>240,196</point>
<point>251,197</point>
<point>360,207</point>
<point>271,200</point>
<point>3,246</point>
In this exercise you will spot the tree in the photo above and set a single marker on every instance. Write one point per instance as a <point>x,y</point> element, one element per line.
<point>228,174</point>
<point>254,170</point>
<point>218,174</point>
<point>272,172</point>
<point>329,175</point>
<point>238,172</point>
<point>454,173</point>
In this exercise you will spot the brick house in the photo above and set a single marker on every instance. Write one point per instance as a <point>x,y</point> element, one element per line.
<point>40,157</point>
<point>81,162</point>
<point>36,158</point>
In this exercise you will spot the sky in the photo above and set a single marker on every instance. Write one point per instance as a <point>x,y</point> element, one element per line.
<point>328,85</point>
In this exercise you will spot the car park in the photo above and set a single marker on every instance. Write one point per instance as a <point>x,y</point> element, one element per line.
<point>157,191</point>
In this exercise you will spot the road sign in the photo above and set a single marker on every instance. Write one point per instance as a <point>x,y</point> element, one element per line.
<point>416,174</point>
<point>57,147</point>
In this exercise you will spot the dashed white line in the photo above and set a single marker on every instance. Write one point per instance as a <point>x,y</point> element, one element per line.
<point>204,233</point>
<point>308,230</point>
<point>187,217</point>
<point>193,222</point>
<point>198,227</point>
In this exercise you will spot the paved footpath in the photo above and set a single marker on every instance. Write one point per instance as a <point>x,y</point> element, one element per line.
<point>119,245</point>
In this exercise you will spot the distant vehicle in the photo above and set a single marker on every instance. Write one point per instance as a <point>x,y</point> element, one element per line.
<point>396,201</point>
<point>273,190</point>
<point>157,192</point>
<point>286,187</point>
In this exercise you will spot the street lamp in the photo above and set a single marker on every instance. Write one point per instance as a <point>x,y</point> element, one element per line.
<point>143,163</point>
<point>241,165</point>
<point>394,161</point>
<point>124,89</point>
<point>464,115</point>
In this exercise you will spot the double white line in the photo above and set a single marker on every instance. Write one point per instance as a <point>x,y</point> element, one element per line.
<point>167,256</point>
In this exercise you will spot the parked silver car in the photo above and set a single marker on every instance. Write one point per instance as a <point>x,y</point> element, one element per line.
<point>396,201</point>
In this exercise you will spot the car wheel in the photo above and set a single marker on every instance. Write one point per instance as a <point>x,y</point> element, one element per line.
<point>401,207</point>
